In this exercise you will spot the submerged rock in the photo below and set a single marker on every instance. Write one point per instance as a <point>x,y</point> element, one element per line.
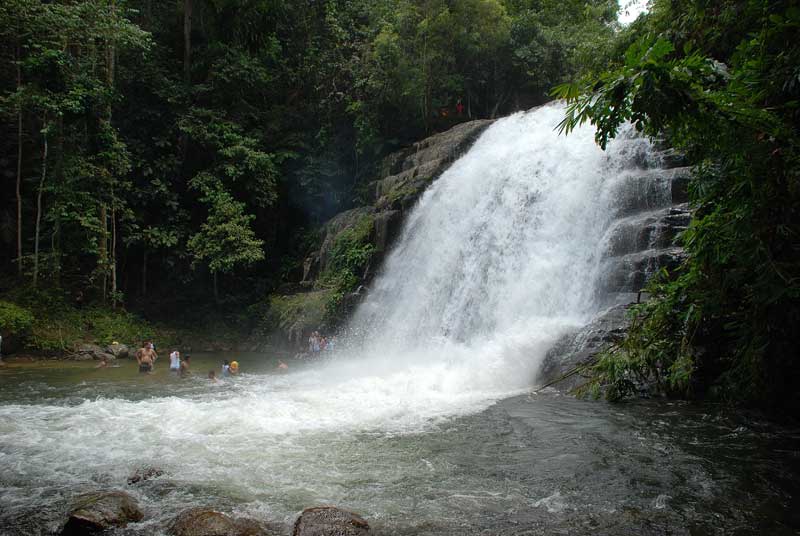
<point>97,512</point>
<point>144,473</point>
<point>208,522</point>
<point>329,521</point>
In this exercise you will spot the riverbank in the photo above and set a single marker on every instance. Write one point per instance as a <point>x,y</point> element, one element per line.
<point>47,324</point>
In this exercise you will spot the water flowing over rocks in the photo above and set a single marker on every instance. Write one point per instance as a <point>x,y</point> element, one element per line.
<point>144,473</point>
<point>330,521</point>
<point>404,176</point>
<point>97,512</point>
<point>651,212</point>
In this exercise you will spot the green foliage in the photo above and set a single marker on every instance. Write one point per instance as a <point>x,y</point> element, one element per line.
<point>275,120</point>
<point>226,239</point>
<point>726,322</point>
<point>295,313</point>
<point>14,320</point>
<point>349,257</point>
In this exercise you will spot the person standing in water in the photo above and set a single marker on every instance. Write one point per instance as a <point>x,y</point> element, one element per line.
<point>175,361</point>
<point>145,357</point>
<point>226,369</point>
<point>184,370</point>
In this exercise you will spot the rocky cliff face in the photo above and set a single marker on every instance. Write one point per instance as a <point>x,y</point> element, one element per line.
<point>355,241</point>
<point>652,210</point>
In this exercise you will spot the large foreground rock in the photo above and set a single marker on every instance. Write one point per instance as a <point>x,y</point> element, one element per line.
<point>208,522</point>
<point>97,512</point>
<point>329,521</point>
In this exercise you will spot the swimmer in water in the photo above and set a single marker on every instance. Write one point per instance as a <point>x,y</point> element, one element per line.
<point>282,365</point>
<point>212,376</point>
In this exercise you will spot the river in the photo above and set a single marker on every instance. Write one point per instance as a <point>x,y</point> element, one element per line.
<point>267,445</point>
<point>424,421</point>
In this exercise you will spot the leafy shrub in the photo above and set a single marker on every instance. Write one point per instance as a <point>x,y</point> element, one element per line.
<point>15,320</point>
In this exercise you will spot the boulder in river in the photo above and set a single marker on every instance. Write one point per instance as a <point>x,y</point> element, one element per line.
<point>87,352</point>
<point>100,511</point>
<point>208,522</point>
<point>119,351</point>
<point>329,521</point>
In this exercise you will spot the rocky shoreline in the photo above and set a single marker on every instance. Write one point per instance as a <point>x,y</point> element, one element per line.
<point>102,511</point>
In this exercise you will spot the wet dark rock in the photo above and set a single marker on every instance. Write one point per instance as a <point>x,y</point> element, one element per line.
<point>580,348</point>
<point>119,351</point>
<point>144,473</point>
<point>208,522</point>
<point>97,512</point>
<point>329,521</point>
<point>88,352</point>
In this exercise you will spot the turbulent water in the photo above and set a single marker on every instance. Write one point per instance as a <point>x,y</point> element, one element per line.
<point>415,426</point>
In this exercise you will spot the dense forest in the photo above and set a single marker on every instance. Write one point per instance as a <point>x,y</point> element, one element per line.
<point>178,159</point>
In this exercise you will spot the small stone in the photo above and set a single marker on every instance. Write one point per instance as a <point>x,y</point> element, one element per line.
<point>144,473</point>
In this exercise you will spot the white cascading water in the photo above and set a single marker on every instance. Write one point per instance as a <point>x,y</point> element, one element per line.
<point>499,259</point>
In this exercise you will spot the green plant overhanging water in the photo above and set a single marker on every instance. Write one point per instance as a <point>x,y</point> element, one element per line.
<point>725,323</point>
<point>350,255</point>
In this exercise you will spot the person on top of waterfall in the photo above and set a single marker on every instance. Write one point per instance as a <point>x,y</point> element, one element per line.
<point>460,107</point>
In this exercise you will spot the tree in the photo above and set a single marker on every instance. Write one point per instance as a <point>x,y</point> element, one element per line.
<point>226,240</point>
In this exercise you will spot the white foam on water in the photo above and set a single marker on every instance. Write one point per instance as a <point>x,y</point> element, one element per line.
<point>497,261</point>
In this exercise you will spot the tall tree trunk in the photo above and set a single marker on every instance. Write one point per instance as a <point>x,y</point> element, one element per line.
<point>216,290</point>
<point>102,257</point>
<point>39,205</point>
<point>187,41</point>
<point>19,167</point>
<point>144,274</point>
<point>113,257</point>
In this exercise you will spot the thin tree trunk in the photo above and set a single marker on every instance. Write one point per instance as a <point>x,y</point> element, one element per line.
<point>39,206</point>
<point>144,274</point>
<point>216,291</point>
<point>19,169</point>
<point>187,41</point>
<point>113,257</point>
<point>102,260</point>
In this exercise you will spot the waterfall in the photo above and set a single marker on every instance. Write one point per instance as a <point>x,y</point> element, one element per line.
<point>502,254</point>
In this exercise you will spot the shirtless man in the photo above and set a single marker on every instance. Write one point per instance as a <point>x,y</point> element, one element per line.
<point>146,356</point>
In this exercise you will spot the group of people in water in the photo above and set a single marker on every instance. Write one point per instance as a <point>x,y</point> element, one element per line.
<point>318,343</point>
<point>180,365</point>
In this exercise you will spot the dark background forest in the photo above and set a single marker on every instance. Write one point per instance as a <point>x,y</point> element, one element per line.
<point>180,157</point>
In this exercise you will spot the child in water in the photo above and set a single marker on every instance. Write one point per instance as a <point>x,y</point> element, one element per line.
<point>234,367</point>
<point>212,376</point>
